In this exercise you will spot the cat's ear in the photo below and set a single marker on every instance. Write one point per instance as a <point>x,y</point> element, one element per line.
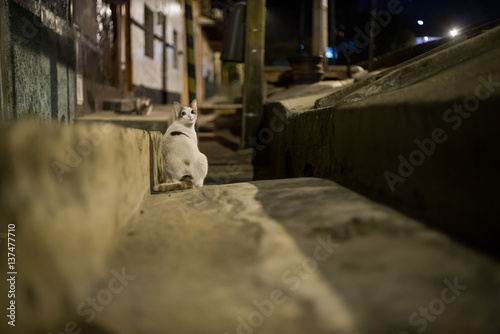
<point>194,104</point>
<point>177,108</point>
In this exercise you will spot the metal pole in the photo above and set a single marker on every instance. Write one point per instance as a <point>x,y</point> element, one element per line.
<point>320,27</point>
<point>254,68</point>
<point>371,49</point>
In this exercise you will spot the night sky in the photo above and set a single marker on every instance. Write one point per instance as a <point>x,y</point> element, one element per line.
<point>463,12</point>
<point>439,16</point>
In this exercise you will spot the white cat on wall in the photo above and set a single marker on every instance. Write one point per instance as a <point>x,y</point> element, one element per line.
<point>185,166</point>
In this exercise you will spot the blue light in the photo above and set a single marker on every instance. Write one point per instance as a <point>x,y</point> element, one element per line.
<point>302,46</point>
<point>425,39</point>
<point>329,53</point>
<point>420,22</point>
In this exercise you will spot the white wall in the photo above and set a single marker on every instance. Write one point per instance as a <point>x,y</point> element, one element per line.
<point>175,20</point>
<point>147,71</point>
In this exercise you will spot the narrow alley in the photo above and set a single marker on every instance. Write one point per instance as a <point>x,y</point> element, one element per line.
<point>219,137</point>
<point>352,152</point>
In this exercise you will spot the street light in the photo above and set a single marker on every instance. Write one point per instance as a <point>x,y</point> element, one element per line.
<point>453,32</point>
<point>420,22</point>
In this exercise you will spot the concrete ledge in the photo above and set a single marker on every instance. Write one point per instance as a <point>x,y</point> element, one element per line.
<point>156,121</point>
<point>358,134</point>
<point>69,191</point>
<point>300,255</point>
<point>299,98</point>
<point>292,256</point>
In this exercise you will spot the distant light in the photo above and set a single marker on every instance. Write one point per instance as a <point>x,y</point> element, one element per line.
<point>329,52</point>
<point>420,22</point>
<point>425,39</point>
<point>453,32</point>
<point>302,46</point>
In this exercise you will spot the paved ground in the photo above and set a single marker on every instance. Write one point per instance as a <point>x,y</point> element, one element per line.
<point>293,256</point>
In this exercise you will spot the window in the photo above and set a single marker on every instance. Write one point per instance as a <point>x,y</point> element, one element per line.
<point>176,58</point>
<point>148,32</point>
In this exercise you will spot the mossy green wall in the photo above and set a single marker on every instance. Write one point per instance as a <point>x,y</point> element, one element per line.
<point>40,61</point>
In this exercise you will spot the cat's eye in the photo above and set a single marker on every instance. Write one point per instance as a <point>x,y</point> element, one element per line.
<point>192,112</point>
<point>183,113</point>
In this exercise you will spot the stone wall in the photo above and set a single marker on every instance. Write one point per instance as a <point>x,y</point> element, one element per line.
<point>68,191</point>
<point>57,61</point>
<point>422,136</point>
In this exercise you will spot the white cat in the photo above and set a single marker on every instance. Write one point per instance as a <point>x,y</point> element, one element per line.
<point>185,166</point>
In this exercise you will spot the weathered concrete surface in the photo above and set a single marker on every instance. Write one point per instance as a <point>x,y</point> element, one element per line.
<point>284,256</point>
<point>159,119</point>
<point>360,134</point>
<point>299,97</point>
<point>200,261</point>
<point>69,191</point>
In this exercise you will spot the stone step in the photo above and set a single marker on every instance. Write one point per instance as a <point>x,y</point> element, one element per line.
<point>220,109</point>
<point>293,256</point>
<point>421,135</point>
<point>128,105</point>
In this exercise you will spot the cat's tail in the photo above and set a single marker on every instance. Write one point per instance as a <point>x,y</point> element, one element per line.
<point>186,182</point>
